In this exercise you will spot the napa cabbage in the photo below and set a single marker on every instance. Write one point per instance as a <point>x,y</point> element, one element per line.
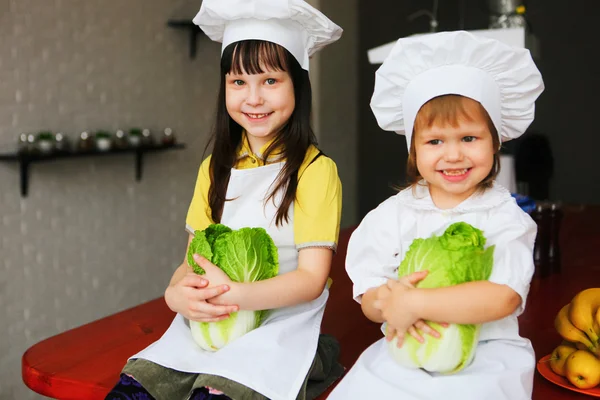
<point>245,255</point>
<point>455,257</point>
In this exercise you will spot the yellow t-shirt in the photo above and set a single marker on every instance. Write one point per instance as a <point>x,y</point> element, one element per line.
<point>318,204</point>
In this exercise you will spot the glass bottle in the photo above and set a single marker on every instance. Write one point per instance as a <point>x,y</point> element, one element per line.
<point>555,217</point>
<point>540,252</point>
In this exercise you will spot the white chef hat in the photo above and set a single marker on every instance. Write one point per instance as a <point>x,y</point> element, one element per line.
<point>502,78</point>
<point>293,24</point>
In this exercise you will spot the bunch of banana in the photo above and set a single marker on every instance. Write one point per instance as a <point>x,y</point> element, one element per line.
<point>578,357</point>
<point>579,321</point>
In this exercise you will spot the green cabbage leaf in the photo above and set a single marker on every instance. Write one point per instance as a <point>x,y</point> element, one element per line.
<point>455,257</point>
<point>245,255</point>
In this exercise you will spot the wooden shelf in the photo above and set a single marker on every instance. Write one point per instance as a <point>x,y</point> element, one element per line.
<point>26,159</point>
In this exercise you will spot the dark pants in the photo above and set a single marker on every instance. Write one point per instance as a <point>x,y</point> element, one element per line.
<point>129,389</point>
<point>166,383</point>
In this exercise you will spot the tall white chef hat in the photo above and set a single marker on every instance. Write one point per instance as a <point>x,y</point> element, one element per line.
<point>294,24</point>
<point>502,78</point>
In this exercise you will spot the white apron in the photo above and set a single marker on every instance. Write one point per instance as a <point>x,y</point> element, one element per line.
<point>275,358</point>
<point>501,370</point>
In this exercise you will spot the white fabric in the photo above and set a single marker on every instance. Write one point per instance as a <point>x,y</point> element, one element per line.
<point>502,78</point>
<point>514,37</point>
<point>375,250</point>
<point>455,79</point>
<point>507,176</point>
<point>501,370</point>
<point>293,24</point>
<point>275,358</point>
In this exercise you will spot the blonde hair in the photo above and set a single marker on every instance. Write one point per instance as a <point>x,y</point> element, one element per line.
<point>448,109</point>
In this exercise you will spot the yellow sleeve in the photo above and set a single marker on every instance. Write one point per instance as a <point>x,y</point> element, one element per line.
<point>318,206</point>
<point>199,213</point>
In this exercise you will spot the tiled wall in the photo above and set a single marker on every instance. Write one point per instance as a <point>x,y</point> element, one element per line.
<point>90,240</point>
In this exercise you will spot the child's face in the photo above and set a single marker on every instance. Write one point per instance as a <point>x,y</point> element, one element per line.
<point>454,160</point>
<point>260,103</point>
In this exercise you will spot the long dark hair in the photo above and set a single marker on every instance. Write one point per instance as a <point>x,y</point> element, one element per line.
<point>294,139</point>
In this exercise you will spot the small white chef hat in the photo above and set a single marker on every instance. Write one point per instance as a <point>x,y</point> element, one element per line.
<point>502,78</point>
<point>294,24</point>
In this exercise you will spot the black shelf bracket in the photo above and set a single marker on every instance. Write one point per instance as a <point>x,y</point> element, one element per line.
<point>24,169</point>
<point>139,162</point>
<point>193,29</point>
<point>26,159</point>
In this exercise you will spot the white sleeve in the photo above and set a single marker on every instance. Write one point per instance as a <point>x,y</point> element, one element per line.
<point>513,233</point>
<point>372,256</point>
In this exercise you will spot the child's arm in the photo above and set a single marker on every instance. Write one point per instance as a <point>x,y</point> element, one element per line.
<point>381,294</point>
<point>368,300</point>
<point>187,294</point>
<point>304,284</point>
<point>482,301</point>
<point>372,259</point>
<point>377,295</point>
<point>467,303</point>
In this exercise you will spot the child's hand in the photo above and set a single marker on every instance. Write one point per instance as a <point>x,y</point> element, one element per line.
<point>396,308</point>
<point>382,294</point>
<point>188,297</point>
<point>216,277</point>
<point>420,327</point>
<point>213,274</point>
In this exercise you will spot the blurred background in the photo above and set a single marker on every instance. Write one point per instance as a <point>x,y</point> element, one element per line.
<point>82,237</point>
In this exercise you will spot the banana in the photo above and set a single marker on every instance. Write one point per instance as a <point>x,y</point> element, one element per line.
<point>568,331</point>
<point>597,322</point>
<point>577,345</point>
<point>583,310</point>
<point>580,346</point>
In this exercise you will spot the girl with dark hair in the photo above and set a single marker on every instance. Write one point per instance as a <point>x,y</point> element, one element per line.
<point>264,171</point>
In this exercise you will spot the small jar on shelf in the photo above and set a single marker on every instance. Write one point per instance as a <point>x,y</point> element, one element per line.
<point>31,143</point>
<point>103,141</point>
<point>44,142</point>
<point>23,144</point>
<point>134,137</point>
<point>168,137</point>
<point>120,140</point>
<point>85,142</point>
<point>62,143</point>
<point>147,139</point>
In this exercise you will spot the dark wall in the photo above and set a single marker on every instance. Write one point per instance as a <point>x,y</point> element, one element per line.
<point>565,112</point>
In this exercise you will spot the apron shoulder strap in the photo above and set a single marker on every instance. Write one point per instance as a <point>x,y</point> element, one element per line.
<point>319,154</point>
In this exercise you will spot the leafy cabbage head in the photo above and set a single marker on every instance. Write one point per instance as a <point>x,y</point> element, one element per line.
<point>455,257</point>
<point>245,255</point>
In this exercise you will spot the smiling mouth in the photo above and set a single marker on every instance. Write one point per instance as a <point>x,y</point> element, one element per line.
<point>257,116</point>
<point>455,172</point>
